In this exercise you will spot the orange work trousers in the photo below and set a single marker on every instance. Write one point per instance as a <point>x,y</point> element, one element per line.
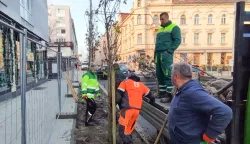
<point>128,118</point>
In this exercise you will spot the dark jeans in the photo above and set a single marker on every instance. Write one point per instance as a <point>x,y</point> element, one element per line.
<point>90,110</point>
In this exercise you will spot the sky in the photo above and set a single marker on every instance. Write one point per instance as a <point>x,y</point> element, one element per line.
<point>78,9</point>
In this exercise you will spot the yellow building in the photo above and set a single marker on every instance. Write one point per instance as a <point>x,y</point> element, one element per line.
<point>207,30</point>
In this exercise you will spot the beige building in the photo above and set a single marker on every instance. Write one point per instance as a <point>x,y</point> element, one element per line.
<point>99,57</point>
<point>207,30</point>
<point>101,53</point>
<point>62,29</point>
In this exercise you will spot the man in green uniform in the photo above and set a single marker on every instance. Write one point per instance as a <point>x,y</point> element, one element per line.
<point>90,89</point>
<point>167,41</point>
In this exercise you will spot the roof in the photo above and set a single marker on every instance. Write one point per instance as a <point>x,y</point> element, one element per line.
<point>202,1</point>
<point>124,16</point>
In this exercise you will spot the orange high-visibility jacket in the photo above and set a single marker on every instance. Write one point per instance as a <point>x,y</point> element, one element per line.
<point>134,91</point>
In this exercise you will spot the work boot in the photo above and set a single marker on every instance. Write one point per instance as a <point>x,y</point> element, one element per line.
<point>89,124</point>
<point>156,95</point>
<point>167,98</point>
<point>93,121</point>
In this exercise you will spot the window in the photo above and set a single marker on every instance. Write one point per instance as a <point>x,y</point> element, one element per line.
<point>209,38</point>
<point>183,19</point>
<point>25,10</point>
<point>156,19</point>
<point>138,3</point>
<point>183,38</point>
<point>139,39</point>
<point>196,19</point>
<point>139,19</point>
<point>60,40</point>
<point>63,31</point>
<point>196,38</point>
<point>223,19</point>
<point>60,12</point>
<point>223,38</point>
<point>210,19</point>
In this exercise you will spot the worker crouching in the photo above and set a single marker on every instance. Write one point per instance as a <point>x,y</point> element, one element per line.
<point>90,89</point>
<point>131,91</point>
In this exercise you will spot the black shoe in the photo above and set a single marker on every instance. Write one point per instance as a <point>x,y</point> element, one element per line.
<point>90,124</point>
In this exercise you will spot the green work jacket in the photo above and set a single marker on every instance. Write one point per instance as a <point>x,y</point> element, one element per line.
<point>168,38</point>
<point>90,86</point>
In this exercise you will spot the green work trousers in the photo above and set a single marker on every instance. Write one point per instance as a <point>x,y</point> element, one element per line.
<point>163,61</point>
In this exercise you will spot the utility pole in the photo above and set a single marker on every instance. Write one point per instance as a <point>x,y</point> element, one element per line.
<point>90,39</point>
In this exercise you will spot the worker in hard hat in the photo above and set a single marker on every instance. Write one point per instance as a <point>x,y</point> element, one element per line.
<point>90,89</point>
<point>132,92</point>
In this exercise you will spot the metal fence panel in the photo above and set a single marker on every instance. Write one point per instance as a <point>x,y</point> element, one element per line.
<point>29,101</point>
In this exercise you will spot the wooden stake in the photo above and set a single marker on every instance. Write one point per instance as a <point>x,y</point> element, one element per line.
<point>109,106</point>
<point>162,128</point>
<point>113,106</point>
<point>75,97</point>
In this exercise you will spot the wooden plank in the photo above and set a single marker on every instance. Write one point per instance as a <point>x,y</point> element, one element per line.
<point>72,90</point>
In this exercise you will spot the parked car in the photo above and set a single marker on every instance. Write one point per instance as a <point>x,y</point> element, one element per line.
<point>124,69</point>
<point>102,73</point>
<point>84,66</point>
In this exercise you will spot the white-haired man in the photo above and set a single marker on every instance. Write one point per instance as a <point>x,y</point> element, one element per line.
<point>195,116</point>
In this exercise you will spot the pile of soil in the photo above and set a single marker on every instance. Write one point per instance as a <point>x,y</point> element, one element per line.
<point>97,134</point>
<point>214,85</point>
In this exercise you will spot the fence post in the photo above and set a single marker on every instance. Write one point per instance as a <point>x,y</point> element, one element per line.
<point>72,72</point>
<point>67,72</point>
<point>23,43</point>
<point>59,78</point>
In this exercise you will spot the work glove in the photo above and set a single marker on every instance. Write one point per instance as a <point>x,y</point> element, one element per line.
<point>207,139</point>
<point>84,96</point>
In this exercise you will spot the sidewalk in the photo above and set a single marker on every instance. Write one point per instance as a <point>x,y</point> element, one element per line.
<point>41,123</point>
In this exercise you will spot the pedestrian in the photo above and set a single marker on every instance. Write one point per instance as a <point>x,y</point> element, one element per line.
<point>90,89</point>
<point>167,41</point>
<point>76,65</point>
<point>132,92</point>
<point>195,116</point>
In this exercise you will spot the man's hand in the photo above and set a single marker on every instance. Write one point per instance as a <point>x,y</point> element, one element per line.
<point>84,96</point>
<point>152,100</point>
<point>81,100</point>
<point>207,139</point>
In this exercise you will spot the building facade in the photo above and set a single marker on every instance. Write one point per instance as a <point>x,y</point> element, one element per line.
<point>30,15</point>
<point>207,30</point>
<point>61,29</point>
<point>99,57</point>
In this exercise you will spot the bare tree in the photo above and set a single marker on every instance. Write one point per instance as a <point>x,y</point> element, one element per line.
<point>52,29</point>
<point>109,8</point>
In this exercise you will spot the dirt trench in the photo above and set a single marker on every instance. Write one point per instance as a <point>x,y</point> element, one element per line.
<point>97,134</point>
